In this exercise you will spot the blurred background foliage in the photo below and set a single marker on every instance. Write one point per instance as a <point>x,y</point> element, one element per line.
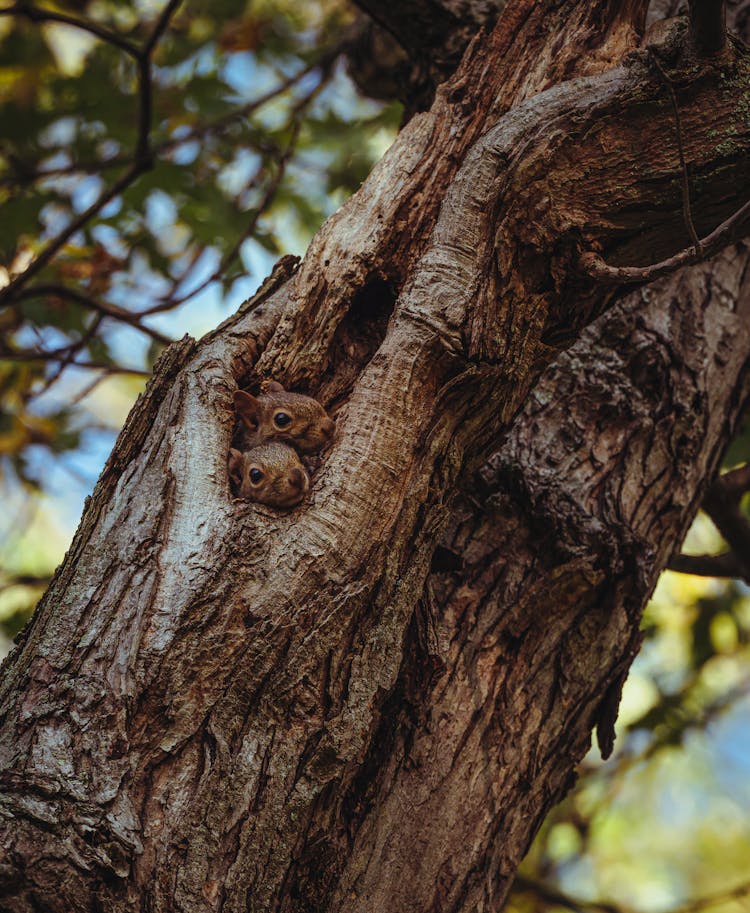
<point>153,165</point>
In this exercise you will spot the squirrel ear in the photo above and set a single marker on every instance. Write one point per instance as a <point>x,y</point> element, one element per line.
<point>272,386</point>
<point>235,462</point>
<point>248,408</point>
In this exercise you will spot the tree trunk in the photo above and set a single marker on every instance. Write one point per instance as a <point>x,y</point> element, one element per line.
<point>529,618</point>
<point>369,703</point>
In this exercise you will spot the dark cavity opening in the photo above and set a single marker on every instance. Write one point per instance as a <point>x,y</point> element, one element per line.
<point>362,331</point>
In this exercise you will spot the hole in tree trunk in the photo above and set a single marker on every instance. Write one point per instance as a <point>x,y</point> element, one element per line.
<point>360,334</point>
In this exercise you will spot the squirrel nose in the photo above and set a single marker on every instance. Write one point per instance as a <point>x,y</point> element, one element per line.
<point>329,426</point>
<point>298,479</point>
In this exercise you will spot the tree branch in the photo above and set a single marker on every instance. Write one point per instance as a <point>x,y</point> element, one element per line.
<point>213,126</point>
<point>736,482</point>
<point>60,355</point>
<point>37,14</point>
<point>32,580</point>
<point>268,198</point>
<point>724,565</point>
<point>105,308</point>
<point>549,523</point>
<point>43,258</point>
<point>160,27</point>
<point>24,176</point>
<point>731,229</point>
<point>73,350</point>
<point>552,895</point>
<point>721,505</point>
<point>143,152</point>
<point>142,159</point>
<point>320,713</point>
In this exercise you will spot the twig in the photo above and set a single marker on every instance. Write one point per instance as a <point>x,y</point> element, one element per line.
<point>215,126</point>
<point>248,230</point>
<point>160,27</point>
<point>11,354</point>
<point>553,895</point>
<point>687,214</point>
<point>270,193</point>
<point>92,167</point>
<point>691,720</point>
<point>168,300</point>
<point>57,243</point>
<point>36,14</point>
<point>25,580</point>
<point>87,389</point>
<point>143,159</point>
<point>30,355</point>
<point>701,903</point>
<point>612,776</point>
<point>737,481</point>
<point>219,123</point>
<point>73,350</point>
<point>101,307</point>
<point>730,230</point>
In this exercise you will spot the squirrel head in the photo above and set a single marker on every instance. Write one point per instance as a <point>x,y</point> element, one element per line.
<point>277,415</point>
<point>270,474</point>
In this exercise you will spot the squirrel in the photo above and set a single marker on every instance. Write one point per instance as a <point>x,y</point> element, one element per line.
<point>293,418</point>
<point>275,427</point>
<point>270,473</point>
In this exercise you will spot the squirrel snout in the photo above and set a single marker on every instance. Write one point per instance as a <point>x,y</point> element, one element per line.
<point>298,479</point>
<point>328,426</point>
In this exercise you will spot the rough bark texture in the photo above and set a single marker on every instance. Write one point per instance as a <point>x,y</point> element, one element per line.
<point>404,49</point>
<point>221,707</point>
<point>529,619</point>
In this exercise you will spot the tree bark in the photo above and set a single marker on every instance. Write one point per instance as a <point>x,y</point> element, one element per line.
<point>221,707</point>
<point>405,49</point>
<point>529,618</point>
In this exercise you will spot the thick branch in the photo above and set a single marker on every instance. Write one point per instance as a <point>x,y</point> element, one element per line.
<point>602,472</point>
<point>724,565</point>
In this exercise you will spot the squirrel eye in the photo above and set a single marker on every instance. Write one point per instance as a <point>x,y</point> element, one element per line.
<point>282,420</point>
<point>255,476</point>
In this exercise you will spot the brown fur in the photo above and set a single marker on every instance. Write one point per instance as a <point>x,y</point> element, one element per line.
<point>284,481</point>
<point>308,430</point>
